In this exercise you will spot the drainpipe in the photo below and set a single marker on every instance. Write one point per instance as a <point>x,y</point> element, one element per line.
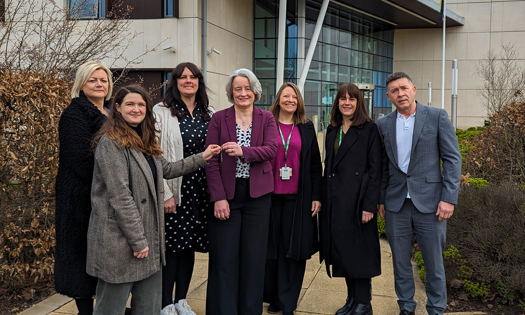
<point>204,38</point>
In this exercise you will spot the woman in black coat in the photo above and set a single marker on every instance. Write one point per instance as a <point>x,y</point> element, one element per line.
<point>351,183</point>
<point>78,124</point>
<point>292,237</point>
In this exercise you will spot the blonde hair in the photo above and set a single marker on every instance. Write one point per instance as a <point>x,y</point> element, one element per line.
<point>83,74</point>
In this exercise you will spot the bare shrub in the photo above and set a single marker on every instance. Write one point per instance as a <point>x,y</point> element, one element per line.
<point>503,78</point>
<point>499,152</point>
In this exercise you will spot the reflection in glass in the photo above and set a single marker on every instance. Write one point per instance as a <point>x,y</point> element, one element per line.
<point>265,68</point>
<point>85,9</point>
<point>265,48</point>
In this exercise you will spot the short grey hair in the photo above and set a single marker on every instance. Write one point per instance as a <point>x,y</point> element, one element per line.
<point>396,76</point>
<point>255,85</point>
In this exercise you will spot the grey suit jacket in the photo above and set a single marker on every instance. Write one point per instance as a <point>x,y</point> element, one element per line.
<point>435,162</point>
<point>127,212</point>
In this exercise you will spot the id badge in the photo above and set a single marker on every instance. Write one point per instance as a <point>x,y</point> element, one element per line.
<point>285,173</point>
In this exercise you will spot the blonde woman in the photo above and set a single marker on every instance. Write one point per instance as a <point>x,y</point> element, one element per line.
<point>78,124</point>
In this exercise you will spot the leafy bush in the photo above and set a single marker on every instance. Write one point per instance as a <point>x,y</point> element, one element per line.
<point>487,229</point>
<point>465,138</point>
<point>478,182</point>
<point>381,226</point>
<point>30,106</point>
<point>475,289</point>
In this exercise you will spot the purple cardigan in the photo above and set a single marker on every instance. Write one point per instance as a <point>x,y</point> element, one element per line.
<point>221,172</point>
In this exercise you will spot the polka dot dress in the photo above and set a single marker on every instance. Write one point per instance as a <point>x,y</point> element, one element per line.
<point>187,228</point>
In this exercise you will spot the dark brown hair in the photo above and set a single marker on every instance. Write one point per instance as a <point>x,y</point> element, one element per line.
<point>172,96</point>
<point>299,116</point>
<point>360,114</point>
<point>118,130</point>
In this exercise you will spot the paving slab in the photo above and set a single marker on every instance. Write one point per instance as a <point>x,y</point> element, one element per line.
<point>320,294</point>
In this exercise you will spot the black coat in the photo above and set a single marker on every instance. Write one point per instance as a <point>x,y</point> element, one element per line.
<point>78,124</point>
<point>351,185</point>
<point>304,240</point>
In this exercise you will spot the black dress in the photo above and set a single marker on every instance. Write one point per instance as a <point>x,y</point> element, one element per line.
<point>78,124</point>
<point>187,228</point>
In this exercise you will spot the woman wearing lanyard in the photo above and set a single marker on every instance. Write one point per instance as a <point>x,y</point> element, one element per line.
<point>351,184</point>
<point>297,168</point>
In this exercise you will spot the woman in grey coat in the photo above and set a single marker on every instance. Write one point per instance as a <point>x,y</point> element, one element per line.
<point>126,227</point>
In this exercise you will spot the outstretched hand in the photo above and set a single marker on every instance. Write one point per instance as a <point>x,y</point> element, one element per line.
<point>211,150</point>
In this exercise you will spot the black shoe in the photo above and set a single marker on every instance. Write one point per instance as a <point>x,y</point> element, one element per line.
<point>361,309</point>
<point>272,309</point>
<point>128,311</point>
<point>405,312</point>
<point>288,313</point>
<point>350,302</point>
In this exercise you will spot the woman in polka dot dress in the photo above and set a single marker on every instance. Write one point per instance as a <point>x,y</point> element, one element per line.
<point>182,120</point>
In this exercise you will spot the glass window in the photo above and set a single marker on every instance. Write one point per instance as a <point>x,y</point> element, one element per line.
<point>265,68</point>
<point>314,73</point>
<point>345,39</point>
<point>87,9</point>
<point>309,30</point>
<point>265,9</point>
<point>368,61</point>
<point>344,74</point>
<point>265,48</point>
<point>265,28</point>
<point>268,93</point>
<point>291,28</point>
<point>168,8</point>
<point>329,53</point>
<point>290,69</point>
<point>356,58</point>
<point>330,35</point>
<point>317,52</point>
<point>291,48</point>
<point>357,42</point>
<point>344,56</point>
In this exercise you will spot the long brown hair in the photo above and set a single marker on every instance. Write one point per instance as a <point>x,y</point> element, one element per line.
<point>299,116</point>
<point>172,96</point>
<point>360,114</point>
<point>118,130</point>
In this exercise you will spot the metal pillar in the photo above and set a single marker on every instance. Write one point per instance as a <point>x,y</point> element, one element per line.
<point>281,45</point>
<point>429,93</point>
<point>313,44</point>
<point>454,103</point>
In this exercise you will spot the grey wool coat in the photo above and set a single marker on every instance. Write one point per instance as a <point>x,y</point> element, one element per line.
<point>128,212</point>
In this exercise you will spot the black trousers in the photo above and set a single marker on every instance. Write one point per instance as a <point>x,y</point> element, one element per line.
<point>177,272</point>
<point>284,276</point>
<point>237,255</point>
<point>360,289</point>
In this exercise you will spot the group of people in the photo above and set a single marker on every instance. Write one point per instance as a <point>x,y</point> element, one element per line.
<point>142,187</point>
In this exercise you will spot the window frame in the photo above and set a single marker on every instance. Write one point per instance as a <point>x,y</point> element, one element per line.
<point>102,7</point>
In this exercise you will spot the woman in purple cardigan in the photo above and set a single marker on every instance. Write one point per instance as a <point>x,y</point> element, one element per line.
<point>240,181</point>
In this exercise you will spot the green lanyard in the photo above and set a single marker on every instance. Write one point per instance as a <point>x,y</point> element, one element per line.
<point>340,135</point>
<point>287,144</point>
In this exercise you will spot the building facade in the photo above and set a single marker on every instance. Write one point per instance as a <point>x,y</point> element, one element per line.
<point>359,42</point>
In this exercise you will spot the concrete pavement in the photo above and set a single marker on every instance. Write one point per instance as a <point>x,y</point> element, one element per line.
<point>320,295</point>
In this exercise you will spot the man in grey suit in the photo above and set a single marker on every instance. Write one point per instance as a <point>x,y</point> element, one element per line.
<point>419,190</point>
